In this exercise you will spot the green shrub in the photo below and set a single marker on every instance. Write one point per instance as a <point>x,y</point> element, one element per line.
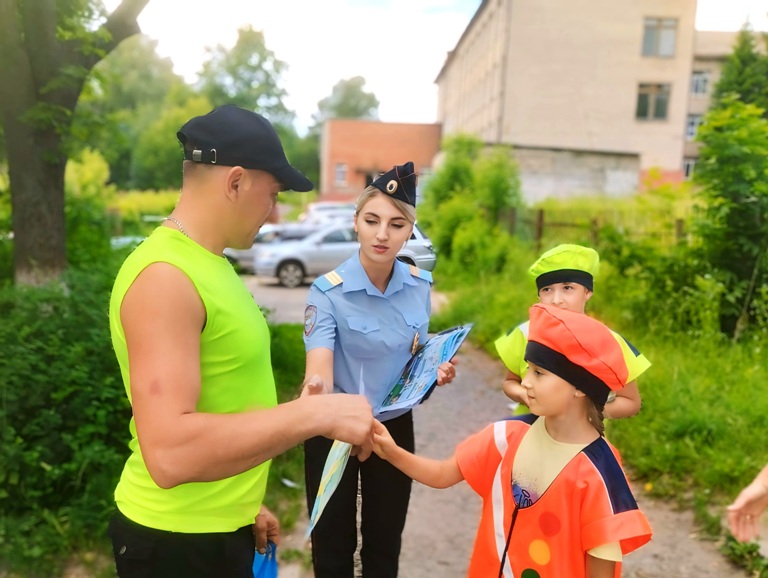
<point>129,209</point>
<point>63,419</point>
<point>285,492</point>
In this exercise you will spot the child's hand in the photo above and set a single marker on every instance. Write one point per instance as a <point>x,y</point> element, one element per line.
<point>383,444</point>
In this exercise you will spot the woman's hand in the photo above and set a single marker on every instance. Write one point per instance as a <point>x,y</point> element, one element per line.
<point>313,386</point>
<point>744,513</point>
<point>446,371</point>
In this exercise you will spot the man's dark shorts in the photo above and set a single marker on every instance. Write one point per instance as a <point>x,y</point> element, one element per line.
<point>142,552</point>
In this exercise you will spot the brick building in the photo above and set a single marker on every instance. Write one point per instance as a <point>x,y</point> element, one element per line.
<point>354,152</point>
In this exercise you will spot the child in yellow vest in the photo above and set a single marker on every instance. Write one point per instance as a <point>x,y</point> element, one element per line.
<point>564,278</point>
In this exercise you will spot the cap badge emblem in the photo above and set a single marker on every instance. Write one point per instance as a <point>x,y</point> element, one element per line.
<point>392,186</point>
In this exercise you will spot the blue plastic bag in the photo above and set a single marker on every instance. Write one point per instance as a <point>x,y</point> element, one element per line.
<point>265,565</point>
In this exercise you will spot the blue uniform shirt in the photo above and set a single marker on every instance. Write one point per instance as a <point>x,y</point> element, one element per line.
<point>367,329</point>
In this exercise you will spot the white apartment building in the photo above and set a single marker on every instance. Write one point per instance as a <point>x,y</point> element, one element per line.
<point>589,93</point>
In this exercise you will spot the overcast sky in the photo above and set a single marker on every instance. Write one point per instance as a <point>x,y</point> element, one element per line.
<point>398,46</point>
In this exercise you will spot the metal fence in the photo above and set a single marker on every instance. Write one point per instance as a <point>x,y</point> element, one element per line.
<point>546,227</point>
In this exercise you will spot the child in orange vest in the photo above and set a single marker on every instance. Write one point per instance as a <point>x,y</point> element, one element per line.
<point>556,502</point>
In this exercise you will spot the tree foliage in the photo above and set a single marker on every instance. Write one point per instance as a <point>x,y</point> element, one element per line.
<point>745,72</point>
<point>247,75</point>
<point>157,158</point>
<point>473,182</point>
<point>348,99</point>
<point>733,222</point>
<point>120,100</point>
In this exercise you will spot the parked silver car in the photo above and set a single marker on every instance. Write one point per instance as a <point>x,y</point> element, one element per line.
<point>269,233</point>
<point>324,250</point>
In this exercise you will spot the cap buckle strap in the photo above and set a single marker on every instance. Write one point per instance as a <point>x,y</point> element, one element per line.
<point>197,156</point>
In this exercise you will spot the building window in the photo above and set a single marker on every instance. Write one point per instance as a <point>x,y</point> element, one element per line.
<point>692,126</point>
<point>688,166</point>
<point>700,82</point>
<point>659,35</point>
<point>652,101</point>
<point>340,174</point>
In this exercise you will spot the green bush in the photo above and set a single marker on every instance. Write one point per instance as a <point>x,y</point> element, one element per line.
<point>129,208</point>
<point>63,419</point>
<point>285,492</point>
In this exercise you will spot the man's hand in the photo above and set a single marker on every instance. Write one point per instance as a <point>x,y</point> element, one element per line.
<point>266,528</point>
<point>350,419</point>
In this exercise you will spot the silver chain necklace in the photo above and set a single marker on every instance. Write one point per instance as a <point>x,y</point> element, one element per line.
<point>176,222</point>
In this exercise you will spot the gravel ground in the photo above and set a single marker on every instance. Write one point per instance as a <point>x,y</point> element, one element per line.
<point>441,524</point>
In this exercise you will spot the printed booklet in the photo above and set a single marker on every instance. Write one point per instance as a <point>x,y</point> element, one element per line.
<point>420,373</point>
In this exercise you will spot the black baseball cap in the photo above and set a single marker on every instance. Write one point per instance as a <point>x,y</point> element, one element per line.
<point>231,136</point>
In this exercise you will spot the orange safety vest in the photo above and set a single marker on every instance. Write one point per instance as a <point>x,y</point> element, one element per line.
<point>589,504</point>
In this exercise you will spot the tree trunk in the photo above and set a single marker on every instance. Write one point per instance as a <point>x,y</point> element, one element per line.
<point>41,77</point>
<point>36,170</point>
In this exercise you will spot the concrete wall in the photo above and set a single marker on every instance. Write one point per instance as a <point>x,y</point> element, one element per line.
<point>548,173</point>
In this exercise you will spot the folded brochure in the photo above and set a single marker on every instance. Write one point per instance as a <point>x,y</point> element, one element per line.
<point>417,380</point>
<point>420,373</point>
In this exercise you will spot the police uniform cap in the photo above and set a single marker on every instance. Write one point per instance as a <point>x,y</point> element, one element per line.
<point>577,348</point>
<point>399,183</point>
<point>231,136</point>
<point>566,264</point>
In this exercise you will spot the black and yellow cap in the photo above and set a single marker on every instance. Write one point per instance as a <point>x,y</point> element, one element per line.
<point>566,264</point>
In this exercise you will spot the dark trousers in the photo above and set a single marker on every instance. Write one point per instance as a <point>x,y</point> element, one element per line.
<point>142,552</point>
<point>385,495</point>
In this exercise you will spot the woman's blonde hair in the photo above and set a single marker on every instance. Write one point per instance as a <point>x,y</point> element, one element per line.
<point>409,211</point>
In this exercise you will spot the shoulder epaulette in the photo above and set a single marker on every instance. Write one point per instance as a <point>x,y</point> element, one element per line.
<point>420,273</point>
<point>328,281</point>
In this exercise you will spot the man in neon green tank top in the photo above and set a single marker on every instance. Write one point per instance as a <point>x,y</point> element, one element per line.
<point>194,353</point>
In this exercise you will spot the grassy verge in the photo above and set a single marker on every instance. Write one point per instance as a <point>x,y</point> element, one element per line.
<point>285,491</point>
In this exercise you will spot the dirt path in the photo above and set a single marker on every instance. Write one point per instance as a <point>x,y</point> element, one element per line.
<point>441,523</point>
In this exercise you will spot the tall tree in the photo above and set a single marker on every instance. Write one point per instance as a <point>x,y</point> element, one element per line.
<point>247,75</point>
<point>348,99</point>
<point>745,72</point>
<point>732,222</point>
<point>120,101</point>
<point>157,156</point>
<point>47,49</point>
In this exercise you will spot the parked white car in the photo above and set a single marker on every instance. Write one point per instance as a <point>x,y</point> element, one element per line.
<point>324,250</point>
<point>328,213</point>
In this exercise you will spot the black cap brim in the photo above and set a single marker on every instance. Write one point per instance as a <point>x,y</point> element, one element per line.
<point>291,180</point>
